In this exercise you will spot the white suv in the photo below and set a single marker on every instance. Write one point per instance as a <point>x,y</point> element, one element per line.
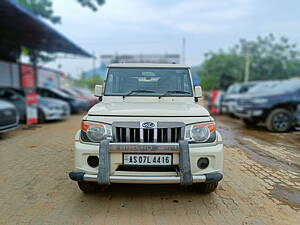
<point>148,128</point>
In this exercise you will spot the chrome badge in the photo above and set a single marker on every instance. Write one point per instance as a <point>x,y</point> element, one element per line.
<point>148,125</point>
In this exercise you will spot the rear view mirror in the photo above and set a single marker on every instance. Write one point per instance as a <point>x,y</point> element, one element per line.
<point>198,92</point>
<point>98,90</point>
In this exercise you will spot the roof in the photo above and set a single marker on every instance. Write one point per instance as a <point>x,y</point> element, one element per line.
<point>146,65</point>
<point>20,27</point>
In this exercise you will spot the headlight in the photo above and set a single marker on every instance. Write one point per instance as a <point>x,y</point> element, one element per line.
<point>95,132</point>
<point>201,132</point>
<point>259,100</point>
<point>49,106</point>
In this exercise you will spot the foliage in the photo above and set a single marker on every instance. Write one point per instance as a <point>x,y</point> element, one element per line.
<point>43,8</point>
<point>91,81</point>
<point>88,83</point>
<point>270,58</point>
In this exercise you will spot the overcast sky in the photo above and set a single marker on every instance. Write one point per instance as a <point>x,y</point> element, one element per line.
<point>158,26</point>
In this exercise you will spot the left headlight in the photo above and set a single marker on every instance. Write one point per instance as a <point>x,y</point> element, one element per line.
<point>95,132</point>
<point>201,132</point>
<point>259,100</point>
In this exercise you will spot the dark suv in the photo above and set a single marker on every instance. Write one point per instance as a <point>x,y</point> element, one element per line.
<point>275,104</point>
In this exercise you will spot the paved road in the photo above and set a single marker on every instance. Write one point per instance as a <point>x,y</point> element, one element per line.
<point>261,184</point>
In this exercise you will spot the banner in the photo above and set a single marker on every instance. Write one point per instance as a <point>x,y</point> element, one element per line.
<point>28,84</point>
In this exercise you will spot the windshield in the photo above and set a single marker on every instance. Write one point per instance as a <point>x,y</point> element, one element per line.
<point>263,87</point>
<point>234,89</point>
<point>287,86</point>
<point>61,93</point>
<point>148,82</point>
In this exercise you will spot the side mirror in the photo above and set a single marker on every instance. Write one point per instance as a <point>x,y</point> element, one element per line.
<point>198,92</point>
<point>98,90</point>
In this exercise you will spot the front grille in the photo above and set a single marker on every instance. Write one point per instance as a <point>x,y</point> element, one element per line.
<point>164,133</point>
<point>8,117</point>
<point>244,102</point>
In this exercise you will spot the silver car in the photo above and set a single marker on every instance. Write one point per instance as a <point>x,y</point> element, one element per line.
<point>52,109</point>
<point>9,119</point>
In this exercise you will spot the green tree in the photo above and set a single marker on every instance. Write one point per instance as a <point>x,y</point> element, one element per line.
<point>270,58</point>
<point>220,69</point>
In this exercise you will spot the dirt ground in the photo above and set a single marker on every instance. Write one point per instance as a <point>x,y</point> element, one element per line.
<point>261,183</point>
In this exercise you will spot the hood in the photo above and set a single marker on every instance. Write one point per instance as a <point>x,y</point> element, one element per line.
<point>232,97</point>
<point>45,100</point>
<point>148,109</point>
<point>6,105</point>
<point>265,95</point>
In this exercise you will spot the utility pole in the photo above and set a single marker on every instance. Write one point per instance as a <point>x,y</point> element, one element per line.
<point>183,51</point>
<point>247,67</point>
<point>94,64</point>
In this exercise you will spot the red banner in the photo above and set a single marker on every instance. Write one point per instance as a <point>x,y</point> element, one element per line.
<point>29,85</point>
<point>27,80</point>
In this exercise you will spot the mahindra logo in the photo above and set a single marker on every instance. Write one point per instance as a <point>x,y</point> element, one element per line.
<point>148,125</point>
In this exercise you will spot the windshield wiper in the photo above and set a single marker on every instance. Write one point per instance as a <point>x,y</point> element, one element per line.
<point>175,92</point>
<point>138,91</point>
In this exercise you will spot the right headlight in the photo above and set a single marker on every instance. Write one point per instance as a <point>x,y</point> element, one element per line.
<point>201,132</point>
<point>95,132</point>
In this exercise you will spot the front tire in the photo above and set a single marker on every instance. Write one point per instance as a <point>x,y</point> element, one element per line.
<point>205,188</point>
<point>88,187</point>
<point>279,120</point>
<point>41,117</point>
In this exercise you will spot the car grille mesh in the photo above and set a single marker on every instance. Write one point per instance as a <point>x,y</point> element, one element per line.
<point>136,135</point>
<point>8,116</point>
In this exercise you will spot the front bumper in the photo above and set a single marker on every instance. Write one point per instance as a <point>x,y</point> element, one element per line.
<point>248,113</point>
<point>9,127</point>
<point>205,178</point>
<point>57,114</point>
<point>110,158</point>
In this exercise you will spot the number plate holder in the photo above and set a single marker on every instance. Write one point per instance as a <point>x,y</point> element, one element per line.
<point>147,159</point>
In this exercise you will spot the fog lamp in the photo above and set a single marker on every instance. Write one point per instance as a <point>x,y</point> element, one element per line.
<point>203,163</point>
<point>93,161</point>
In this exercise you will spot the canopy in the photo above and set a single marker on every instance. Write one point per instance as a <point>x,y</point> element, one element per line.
<point>20,27</point>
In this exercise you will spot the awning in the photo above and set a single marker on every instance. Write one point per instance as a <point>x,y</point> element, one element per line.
<point>20,27</point>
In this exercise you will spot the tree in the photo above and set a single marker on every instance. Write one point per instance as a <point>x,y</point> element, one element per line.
<point>43,8</point>
<point>270,58</point>
<point>219,70</point>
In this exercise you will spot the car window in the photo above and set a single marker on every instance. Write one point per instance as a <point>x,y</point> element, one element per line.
<point>151,82</point>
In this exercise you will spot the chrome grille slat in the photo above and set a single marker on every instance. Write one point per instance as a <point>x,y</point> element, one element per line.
<point>127,134</point>
<point>137,135</point>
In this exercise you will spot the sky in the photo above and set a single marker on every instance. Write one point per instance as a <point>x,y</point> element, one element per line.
<point>158,26</point>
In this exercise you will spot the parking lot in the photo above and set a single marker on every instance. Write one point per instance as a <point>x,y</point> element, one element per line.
<point>261,183</point>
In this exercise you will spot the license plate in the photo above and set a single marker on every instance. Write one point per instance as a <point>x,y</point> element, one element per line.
<point>148,159</point>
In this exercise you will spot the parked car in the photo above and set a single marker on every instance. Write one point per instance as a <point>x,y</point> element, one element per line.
<point>75,104</point>
<point>233,92</point>
<point>9,119</point>
<point>48,108</point>
<point>298,118</point>
<point>74,94</point>
<point>214,101</point>
<point>274,103</point>
<point>88,95</point>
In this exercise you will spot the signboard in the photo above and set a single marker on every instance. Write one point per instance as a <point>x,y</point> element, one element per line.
<point>48,78</point>
<point>28,84</point>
